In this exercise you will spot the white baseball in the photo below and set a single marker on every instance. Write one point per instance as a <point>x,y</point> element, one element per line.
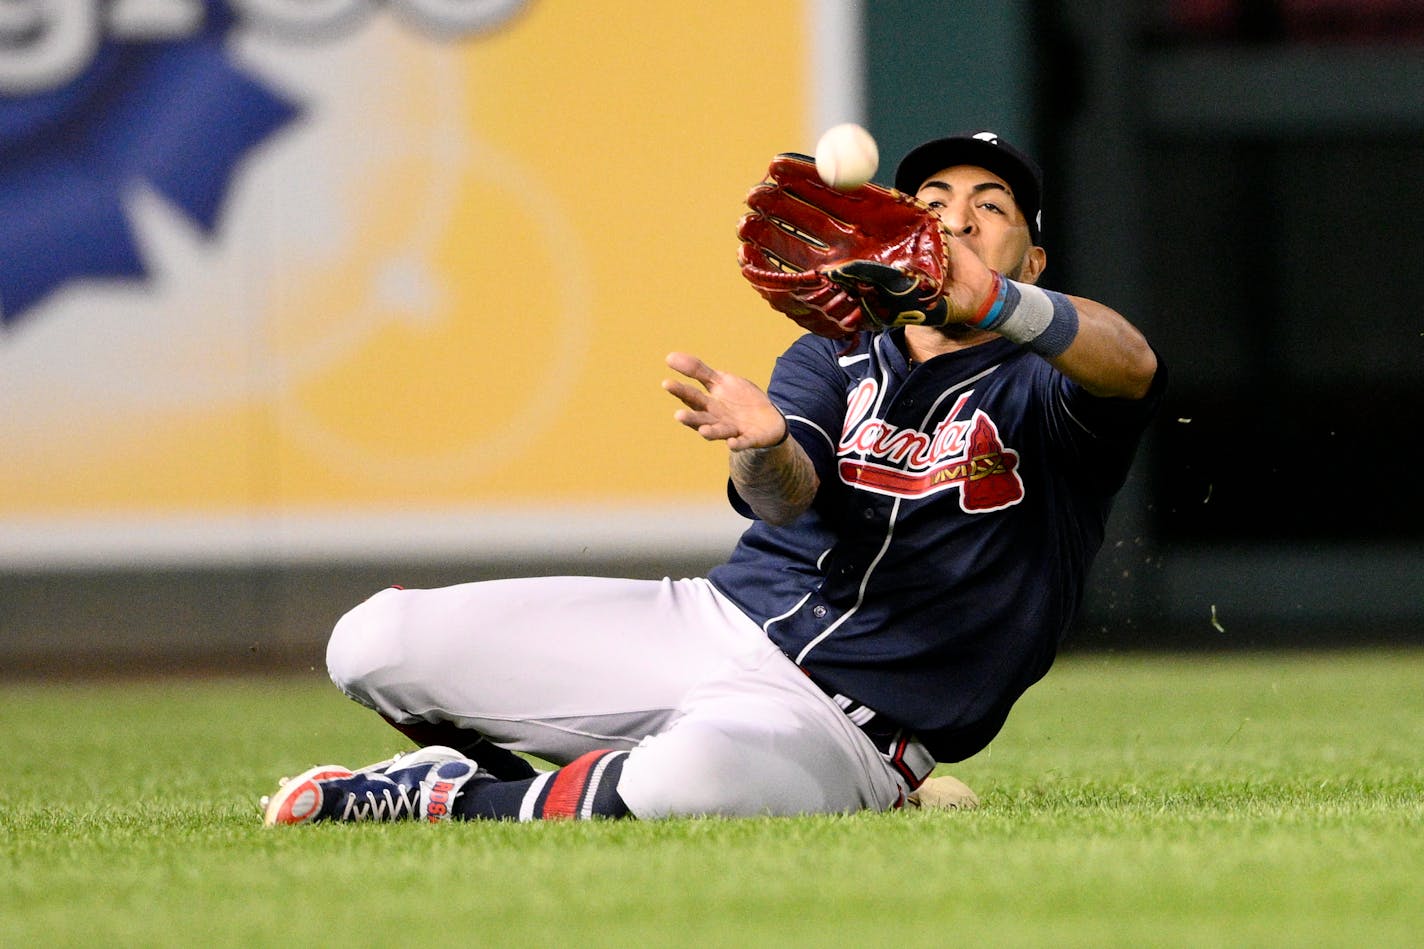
<point>846,156</point>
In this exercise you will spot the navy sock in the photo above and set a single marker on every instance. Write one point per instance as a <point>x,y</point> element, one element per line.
<point>585,787</point>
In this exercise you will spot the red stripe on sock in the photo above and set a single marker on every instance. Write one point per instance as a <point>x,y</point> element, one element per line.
<point>566,790</point>
<point>897,761</point>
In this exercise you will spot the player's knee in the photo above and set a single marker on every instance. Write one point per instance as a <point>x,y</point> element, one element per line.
<point>702,771</point>
<point>664,780</point>
<point>363,643</point>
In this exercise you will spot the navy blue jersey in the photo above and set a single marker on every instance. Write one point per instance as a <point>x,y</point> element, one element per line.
<point>960,506</point>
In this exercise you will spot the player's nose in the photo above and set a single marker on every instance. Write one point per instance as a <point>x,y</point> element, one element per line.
<point>957,220</point>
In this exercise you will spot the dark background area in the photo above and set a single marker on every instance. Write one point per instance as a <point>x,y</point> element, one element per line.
<point>1245,181</point>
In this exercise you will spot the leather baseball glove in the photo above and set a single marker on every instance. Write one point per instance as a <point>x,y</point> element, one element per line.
<point>840,262</point>
<point>945,793</point>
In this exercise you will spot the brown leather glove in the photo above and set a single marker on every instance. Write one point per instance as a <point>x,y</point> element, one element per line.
<point>838,262</point>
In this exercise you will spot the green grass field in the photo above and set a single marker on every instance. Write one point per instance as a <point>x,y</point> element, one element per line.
<point>1262,800</point>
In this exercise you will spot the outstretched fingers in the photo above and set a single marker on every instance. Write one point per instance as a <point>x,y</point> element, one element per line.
<point>725,408</point>
<point>693,368</point>
<point>691,396</point>
<point>698,414</point>
<point>695,398</point>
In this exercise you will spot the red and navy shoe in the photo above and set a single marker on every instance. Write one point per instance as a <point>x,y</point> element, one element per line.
<point>421,785</point>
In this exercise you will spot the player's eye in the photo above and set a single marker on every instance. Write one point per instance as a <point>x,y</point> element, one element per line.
<point>992,207</point>
<point>936,205</point>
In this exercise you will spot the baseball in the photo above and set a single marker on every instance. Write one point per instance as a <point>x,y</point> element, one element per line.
<point>846,156</point>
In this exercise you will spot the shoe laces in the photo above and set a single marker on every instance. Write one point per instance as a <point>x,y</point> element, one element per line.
<point>390,803</point>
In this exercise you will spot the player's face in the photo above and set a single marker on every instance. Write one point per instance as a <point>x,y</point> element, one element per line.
<point>978,207</point>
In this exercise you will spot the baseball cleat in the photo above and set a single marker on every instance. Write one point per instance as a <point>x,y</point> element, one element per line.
<point>417,786</point>
<point>298,799</point>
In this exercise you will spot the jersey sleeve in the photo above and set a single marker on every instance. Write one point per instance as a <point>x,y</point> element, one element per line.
<point>1101,432</point>
<point>808,386</point>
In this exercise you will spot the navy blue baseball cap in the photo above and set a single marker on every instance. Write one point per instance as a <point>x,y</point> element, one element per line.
<point>985,150</point>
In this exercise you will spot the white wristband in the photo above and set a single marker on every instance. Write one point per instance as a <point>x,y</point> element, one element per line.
<point>1043,320</point>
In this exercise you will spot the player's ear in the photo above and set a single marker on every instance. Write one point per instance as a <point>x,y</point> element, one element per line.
<point>1035,261</point>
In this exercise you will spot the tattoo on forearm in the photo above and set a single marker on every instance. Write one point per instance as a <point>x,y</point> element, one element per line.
<point>778,482</point>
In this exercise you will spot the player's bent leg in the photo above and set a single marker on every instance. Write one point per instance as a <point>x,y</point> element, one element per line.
<point>364,647</point>
<point>563,667</point>
<point>553,667</point>
<point>705,770</point>
<point>763,743</point>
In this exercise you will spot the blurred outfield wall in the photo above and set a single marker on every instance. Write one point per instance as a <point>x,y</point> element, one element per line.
<point>293,290</point>
<point>288,285</point>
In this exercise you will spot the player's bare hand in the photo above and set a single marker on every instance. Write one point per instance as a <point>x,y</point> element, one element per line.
<point>968,281</point>
<point>723,407</point>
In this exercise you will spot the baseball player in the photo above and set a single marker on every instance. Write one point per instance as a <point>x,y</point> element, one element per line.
<point>928,475</point>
